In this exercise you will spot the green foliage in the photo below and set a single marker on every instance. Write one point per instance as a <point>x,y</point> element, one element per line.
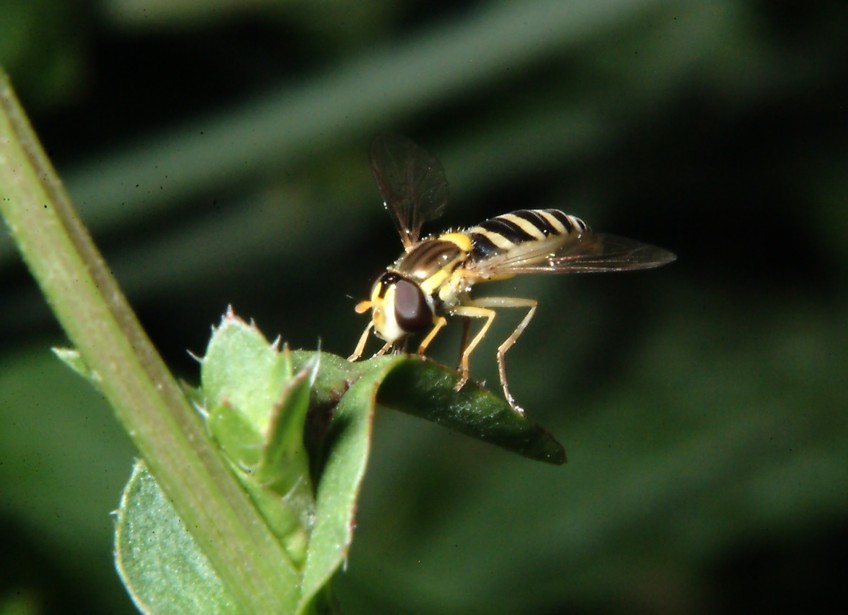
<point>256,398</point>
<point>256,411</point>
<point>160,563</point>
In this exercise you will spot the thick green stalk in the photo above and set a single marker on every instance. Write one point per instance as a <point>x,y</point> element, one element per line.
<point>144,395</point>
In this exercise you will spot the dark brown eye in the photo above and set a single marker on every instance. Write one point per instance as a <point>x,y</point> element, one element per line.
<point>411,309</point>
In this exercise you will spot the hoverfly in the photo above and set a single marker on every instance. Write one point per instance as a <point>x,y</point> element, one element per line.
<point>433,278</point>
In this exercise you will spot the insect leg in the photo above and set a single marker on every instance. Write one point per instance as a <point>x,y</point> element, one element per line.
<point>386,347</point>
<point>472,310</point>
<point>466,327</point>
<point>508,302</point>
<point>441,321</point>
<point>360,346</point>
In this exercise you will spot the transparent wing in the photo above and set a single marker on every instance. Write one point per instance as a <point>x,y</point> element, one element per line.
<point>591,252</point>
<point>412,183</point>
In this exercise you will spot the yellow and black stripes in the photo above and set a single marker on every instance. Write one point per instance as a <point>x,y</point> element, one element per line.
<point>502,233</point>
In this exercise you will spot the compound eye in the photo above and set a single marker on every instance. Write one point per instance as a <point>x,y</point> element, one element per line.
<point>412,311</point>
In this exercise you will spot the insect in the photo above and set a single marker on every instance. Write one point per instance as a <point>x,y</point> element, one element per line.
<point>433,278</point>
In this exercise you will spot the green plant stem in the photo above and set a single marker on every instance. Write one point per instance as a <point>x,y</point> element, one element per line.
<point>144,395</point>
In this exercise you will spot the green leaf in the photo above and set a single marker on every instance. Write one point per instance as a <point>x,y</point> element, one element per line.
<point>256,406</point>
<point>256,409</point>
<point>242,370</point>
<point>257,398</point>
<point>410,384</point>
<point>284,462</point>
<point>348,443</point>
<point>158,560</point>
<point>281,482</point>
<point>426,389</point>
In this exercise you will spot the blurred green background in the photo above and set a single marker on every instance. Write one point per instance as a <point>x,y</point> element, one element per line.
<point>218,152</point>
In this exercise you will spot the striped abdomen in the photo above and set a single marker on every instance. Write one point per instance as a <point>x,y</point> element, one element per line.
<point>497,235</point>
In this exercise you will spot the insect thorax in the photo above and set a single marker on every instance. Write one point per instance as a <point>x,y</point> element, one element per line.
<point>431,263</point>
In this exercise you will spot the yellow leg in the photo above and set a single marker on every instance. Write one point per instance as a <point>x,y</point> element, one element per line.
<point>471,310</point>
<point>441,321</point>
<point>360,346</point>
<point>386,347</point>
<point>363,339</point>
<point>482,307</point>
<point>466,326</point>
<point>361,308</point>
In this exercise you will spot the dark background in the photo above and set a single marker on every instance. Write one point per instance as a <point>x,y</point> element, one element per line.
<point>218,152</point>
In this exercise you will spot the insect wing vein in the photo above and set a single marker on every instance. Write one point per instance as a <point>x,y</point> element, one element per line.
<point>516,259</point>
<point>590,253</point>
<point>412,183</point>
